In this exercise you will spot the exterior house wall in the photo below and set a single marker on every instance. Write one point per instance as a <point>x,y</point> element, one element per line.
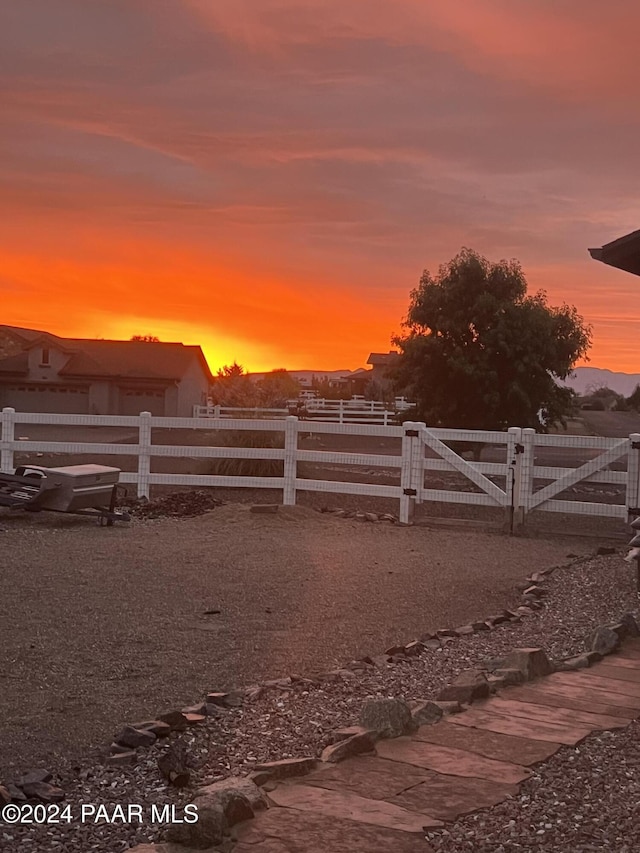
<point>192,389</point>
<point>41,372</point>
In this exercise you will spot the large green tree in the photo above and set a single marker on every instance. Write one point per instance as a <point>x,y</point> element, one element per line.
<point>478,352</point>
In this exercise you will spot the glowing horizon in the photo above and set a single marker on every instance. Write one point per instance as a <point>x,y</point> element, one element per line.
<point>269,178</point>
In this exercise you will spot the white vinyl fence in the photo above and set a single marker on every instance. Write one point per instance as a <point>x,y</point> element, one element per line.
<point>513,481</point>
<point>317,409</point>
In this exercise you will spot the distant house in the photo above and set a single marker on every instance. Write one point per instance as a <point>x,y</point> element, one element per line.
<point>381,363</point>
<point>41,372</point>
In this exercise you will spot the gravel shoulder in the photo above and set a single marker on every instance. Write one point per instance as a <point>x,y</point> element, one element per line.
<point>102,625</point>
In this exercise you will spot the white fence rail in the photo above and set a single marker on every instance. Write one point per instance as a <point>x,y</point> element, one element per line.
<point>333,411</point>
<point>513,481</point>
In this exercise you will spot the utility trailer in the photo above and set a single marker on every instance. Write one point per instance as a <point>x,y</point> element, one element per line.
<point>78,489</point>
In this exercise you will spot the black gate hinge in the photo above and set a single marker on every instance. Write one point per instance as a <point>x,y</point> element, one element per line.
<point>409,492</point>
<point>519,448</point>
<point>413,433</point>
<point>635,445</point>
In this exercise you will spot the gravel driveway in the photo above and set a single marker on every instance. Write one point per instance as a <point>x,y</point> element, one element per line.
<point>103,625</point>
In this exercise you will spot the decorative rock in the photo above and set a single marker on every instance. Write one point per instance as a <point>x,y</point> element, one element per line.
<point>156,727</point>
<point>122,759</point>
<point>594,657</point>
<point>480,626</point>
<point>225,700</point>
<point>464,630</point>
<point>206,832</point>
<point>175,719</point>
<point>33,776</point>
<point>498,619</point>
<point>620,629</point>
<point>287,768</point>
<point>371,516</point>
<point>200,708</point>
<point>576,662</point>
<point>425,712</point>
<point>532,663</point>
<point>535,591</point>
<point>631,624</point>
<point>17,796</point>
<point>381,661</point>
<point>387,717</point>
<point>135,737</point>
<point>234,786</point>
<point>5,796</point>
<point>525,610</point>
<point>194,719</point>
<point>496,682</point>
<point>174,765</point>
<point>604,640</point>
<point>448,708</point>
<point>491,664</point>
<point>394,650</point>
<point>537,577</point>
<point>468,686</point>
<point>432,645</point>
<point>415,647</point>
<point>264,508</point>
<point>118,749</point>
<point>604,551</point>
<point>362,741</point>
<point>43,791</point>
<point>511,676</point>
<point>446,632</point>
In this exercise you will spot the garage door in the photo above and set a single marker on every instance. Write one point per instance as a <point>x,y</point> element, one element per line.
<point>61,399</point>
<point>134,401</point>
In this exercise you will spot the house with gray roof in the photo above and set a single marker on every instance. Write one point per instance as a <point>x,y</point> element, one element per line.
<point>41,372</point>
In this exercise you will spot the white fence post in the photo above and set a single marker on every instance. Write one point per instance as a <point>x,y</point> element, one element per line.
<point>632,498</point>
<point>526,475</point>
<point>514,511</point>
<point>417,463</point>
<point>144,456</point>
<point>290,460</point>
<point>6,439</point>
<point>409,492</point>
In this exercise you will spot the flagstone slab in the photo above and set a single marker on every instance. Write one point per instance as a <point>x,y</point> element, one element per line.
<point>628,659</point>
<point>585,692</point>
<point>449,760</point>
<point>291,831</point>
<point>559,716</point>
<point>586,679</point>
<point>621,673</point>
<point>371,777</point>
<point>516,750</point>
<point>448,797</point>
<point>556,700</point>
<point>441,796</point>
<point>566,734</point>
<point>347,806</point>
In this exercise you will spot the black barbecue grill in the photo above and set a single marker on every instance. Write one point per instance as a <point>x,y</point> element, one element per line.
<point>78,489</point>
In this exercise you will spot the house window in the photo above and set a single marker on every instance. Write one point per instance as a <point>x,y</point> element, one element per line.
<point>44,361</point>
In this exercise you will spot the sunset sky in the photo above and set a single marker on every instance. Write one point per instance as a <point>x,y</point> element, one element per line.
<point>268,178</point>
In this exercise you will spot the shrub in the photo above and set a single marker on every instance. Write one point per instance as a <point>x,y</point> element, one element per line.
<point>249,467</point>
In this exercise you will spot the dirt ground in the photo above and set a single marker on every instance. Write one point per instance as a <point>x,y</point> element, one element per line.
<point>99,626</point>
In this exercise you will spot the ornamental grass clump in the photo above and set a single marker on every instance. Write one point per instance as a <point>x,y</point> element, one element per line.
<point>230,467</point>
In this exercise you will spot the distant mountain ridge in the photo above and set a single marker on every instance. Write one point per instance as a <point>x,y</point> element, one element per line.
<point>587,379</point>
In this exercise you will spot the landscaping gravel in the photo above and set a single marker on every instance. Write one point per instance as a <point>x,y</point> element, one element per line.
<point>578,801</point>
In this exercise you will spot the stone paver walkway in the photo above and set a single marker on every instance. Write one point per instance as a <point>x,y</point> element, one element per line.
<point>385,801</point>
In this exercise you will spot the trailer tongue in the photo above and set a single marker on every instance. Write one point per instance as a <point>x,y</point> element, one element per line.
<point>78,489</point>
